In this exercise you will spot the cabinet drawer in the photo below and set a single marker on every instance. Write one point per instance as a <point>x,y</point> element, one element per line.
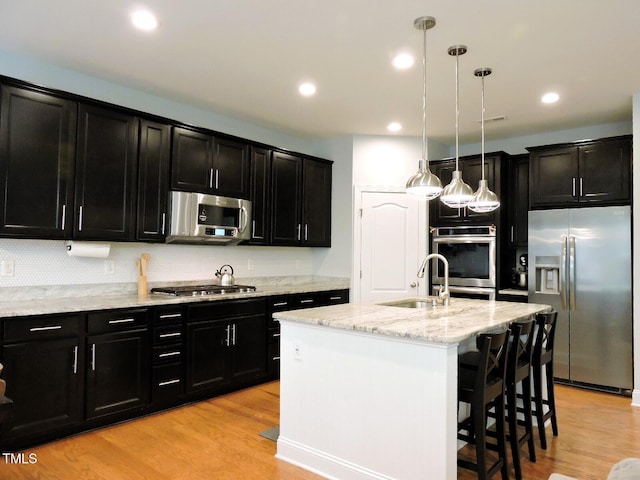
<point>169,315</point>
<point>167,334</point>
<point>280,303</point>
<point>167,354</point>
<point>116,320</point>
<point>168,383</point>
<point>226,309</point>
<point>42,327</point>
<point>274,335</point>
<point>306,300</point>
<point>335,297</point>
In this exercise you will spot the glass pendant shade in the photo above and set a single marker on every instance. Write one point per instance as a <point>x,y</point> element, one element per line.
<point>424,184</point>
<point>456,194</point>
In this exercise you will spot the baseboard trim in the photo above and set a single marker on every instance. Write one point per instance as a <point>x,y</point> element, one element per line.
<point>635,398</point>
<point>322,463</point>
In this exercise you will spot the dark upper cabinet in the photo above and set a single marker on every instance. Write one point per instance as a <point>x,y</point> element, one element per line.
<point>582,173</point>
<point>202,163</point>
<point>37,154</point>
<point>153,181</point>
<point>517,201</point>
<point>316,203</point>
<point>471,166</point>
<point>105,174</point>
<point>301,201</point>
<point>286,208</point>
<point>260,195</point>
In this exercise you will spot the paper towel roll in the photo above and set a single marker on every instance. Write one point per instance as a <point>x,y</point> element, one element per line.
<point>88,249</point>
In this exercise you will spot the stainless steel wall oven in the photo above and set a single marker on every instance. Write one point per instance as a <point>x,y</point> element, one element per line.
<point>471,253</point>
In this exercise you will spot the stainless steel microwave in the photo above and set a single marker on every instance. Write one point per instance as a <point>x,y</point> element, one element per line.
<point>201,218</point>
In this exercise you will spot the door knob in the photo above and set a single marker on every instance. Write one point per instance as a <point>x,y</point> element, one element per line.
<point>413,285</point>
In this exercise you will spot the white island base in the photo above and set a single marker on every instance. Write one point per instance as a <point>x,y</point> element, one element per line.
<point>356,405</point>
<point>370,391</point>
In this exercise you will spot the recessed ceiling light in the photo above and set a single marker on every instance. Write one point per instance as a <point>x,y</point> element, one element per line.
<point>144,20</point>
<point>403,61</point>
<point>394,127</point>
<point>307,89</point>
<point>550,97</point>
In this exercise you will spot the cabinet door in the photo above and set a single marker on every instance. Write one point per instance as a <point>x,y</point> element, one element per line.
<point>260,195</point>
<point>153,180</point>
<point>118,377</point>
<point>37,150</point>
<point>316,204</point>
<point>207,353</point>
<point>286,210</point>
<point>553,176</point>
<point>44,380</point>
<point>517,201</point>
<point>231,168</point>
<point>249,347</point>
<point>105,174</point>
<point>605,171</point>
<point>192,161</point>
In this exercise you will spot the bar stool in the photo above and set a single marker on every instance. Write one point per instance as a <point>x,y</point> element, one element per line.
<point>542,360</point>
<point>481,384</point>
<point>518,372</point>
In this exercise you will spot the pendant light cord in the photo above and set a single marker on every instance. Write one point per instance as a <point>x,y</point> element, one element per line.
<point>482,126</point>
<point>424,96</point>
<point>457,108</point>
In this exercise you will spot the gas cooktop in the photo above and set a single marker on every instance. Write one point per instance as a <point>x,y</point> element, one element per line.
<point>202,290</point>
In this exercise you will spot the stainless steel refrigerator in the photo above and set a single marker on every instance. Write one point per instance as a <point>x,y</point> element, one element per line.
<point>580,263</point>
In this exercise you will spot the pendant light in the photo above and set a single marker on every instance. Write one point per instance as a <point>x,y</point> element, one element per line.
<point>457,194</point>
<point>484,200</point>
<point>424,184</point>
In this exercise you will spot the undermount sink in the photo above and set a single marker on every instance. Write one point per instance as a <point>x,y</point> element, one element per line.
<point>418,303</point>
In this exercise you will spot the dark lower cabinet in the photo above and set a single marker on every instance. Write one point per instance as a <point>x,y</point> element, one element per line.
<point>226,344</point>
<point>118,363</point>
<point>44,370</point>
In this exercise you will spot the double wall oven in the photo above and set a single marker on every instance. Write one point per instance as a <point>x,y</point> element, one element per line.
<point>471,253</point>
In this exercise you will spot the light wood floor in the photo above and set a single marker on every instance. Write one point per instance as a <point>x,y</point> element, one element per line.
<point>219,439</point>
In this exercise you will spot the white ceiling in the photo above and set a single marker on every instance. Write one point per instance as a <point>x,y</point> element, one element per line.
<point>245,58</point>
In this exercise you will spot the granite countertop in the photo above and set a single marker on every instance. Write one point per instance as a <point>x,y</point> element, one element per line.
<point>461,320</point>
<point>63,303</point>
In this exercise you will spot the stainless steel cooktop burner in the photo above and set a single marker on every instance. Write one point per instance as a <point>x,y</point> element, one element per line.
<point>202,290</point>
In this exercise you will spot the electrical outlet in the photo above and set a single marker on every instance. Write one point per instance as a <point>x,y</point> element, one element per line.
<point>7,268</point>
<point>250,264</point>
<point>109,267</point>
<point>297,350</point>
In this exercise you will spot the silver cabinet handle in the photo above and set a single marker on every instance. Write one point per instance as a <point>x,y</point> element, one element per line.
<point>64,216</point>
<point>573,186</point>
<point>281,304</point>
<point>276,335</point>
<point>169,382</point>
<point>43,329</point>
<point>234,334</point>
<point>228,335</point>
<point>93,357</point>
<point>276,358</point>
<point>310,300</point>
<point>581,193</point>
<point>340,298</point>
<point>164,217</point>
<point>170,335</point>
<point>217,178</point>
<point>75,359</point>
<point>170,315</point>
<point>80,219</point>
<point>305,231</point>
<point>298,234</point>
<point>169,354</point>
<point>512,233</point>
<point>211,178</point>
<point>123,320</point>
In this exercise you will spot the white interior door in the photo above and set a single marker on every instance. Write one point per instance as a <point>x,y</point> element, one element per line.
<point>392,228</point>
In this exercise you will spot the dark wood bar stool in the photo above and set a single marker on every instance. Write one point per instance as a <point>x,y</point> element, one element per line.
<point>518,372</point>
<point>542,361</point>
<point>481,384</point>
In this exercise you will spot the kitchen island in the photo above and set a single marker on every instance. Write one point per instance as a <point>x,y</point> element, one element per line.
<point>370,391</point>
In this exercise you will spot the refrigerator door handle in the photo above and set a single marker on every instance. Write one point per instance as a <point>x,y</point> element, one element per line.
<point>572,272</point>
<point>563,273</point>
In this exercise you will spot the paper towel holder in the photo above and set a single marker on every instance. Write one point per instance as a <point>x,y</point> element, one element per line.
<point>87,249</point>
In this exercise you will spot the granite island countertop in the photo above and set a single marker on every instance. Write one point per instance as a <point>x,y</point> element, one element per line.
<point>460,320</point>
<point>50,303</point>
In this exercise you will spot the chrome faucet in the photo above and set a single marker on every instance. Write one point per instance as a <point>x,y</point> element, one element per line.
<point>444,292</point>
